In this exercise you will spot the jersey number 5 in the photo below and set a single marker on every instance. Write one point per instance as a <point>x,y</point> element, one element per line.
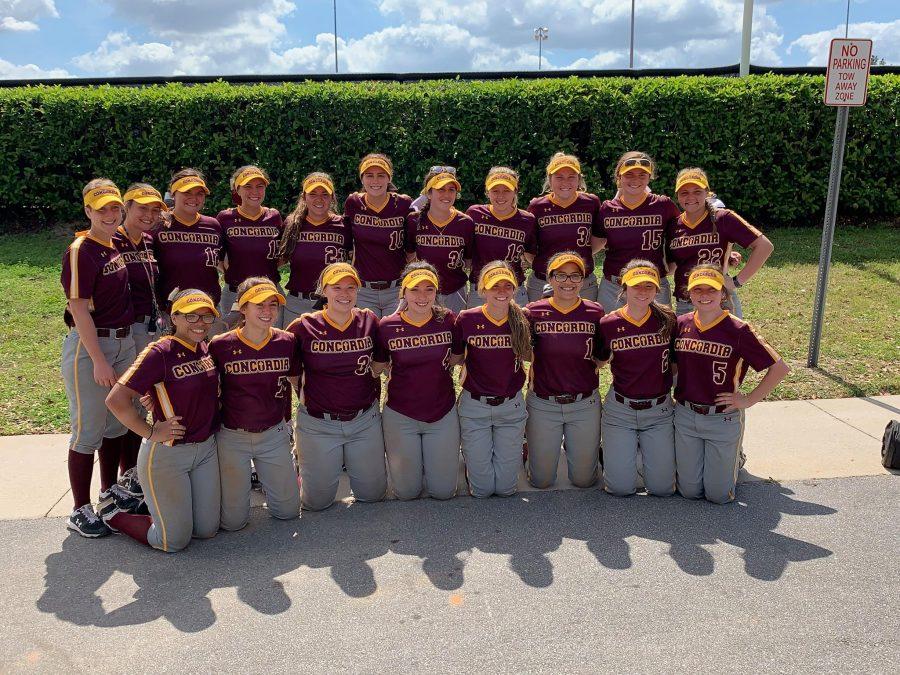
<point>719,371</point>
<point>651,240</point>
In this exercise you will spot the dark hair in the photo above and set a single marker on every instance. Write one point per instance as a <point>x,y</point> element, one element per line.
<point>663,313</point>
<point>438,310</point>
<point>177,294</point>
<point>387,160</point>
<point>520,331</point>
<point>711,208</point>
<point>294,221</point>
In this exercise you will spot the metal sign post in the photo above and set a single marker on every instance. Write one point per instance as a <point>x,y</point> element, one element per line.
<point>846,85</point>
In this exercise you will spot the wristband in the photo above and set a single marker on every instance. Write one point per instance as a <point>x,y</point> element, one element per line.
<point>736,281</point>
<point>152,427</point>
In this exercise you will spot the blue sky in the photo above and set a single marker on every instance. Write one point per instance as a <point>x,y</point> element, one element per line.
<point>105,38</point>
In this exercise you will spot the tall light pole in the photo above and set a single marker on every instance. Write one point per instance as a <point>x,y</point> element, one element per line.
<point>541,33</point>
<point>745,38</point>
<point>631,50</point>
<point>334,7</point>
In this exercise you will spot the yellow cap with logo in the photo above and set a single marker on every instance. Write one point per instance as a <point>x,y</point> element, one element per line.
<point>337,271</point>
<point>260,293</point>
<point>192,302</point>
<point>640,275</point>
<point>706,277</point>
<point>101,196</point>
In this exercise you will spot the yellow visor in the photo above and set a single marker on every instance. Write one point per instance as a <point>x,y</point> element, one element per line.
<point>418,276</point>
<point>337,271</point>
<point>247,175</point>
<point>706,278</point>
<point>640,275</point>
<point>187,184</point>
<point>438,181</point>
<point>501,179</point>
<point>562,163</point>
<point>640,167</point>
<point>193,302</point>
<point>692,178</point>
<point>259,294</point>
<point>101,196</point>
<point>375,162</point>
<point>145,196</point>
<point>493,277</point>
<point>312,183</point>
<point>561,260</point>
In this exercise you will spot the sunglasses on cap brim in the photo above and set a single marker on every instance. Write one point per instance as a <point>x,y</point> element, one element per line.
<point>443,169</point>
<point>637,161</point>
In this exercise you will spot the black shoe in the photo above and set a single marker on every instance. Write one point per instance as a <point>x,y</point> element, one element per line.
<point>85,522</point>
<point>130,484</point>
<point>254,481</point>
<point>107,508</point>
<point>124,501</point>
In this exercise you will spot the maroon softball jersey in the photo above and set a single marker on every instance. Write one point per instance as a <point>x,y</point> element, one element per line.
<point>142,269</point>
<point>637,232</point>
<point>254,378</point>
<point>189,256</point>
<point>379,236</point>
<point>689,245</point>
<point>317,247</point>
<point>504,238</point>
<point>444,245</point>
<point>491,367</point>
<point>335,361</point>
<point>563,360</point>
<point>642,359</point>
<point>182,380</point>
<point>251,244</point>
<point>564,228</point>
<point>95,271</point>
<point>420,385</point>
<point>713,359</point>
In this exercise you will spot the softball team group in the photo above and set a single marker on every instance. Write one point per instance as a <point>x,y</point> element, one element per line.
<point>183,315</point>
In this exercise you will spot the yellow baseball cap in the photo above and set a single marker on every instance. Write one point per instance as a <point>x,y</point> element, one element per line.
<point>247,175</point>
<point>103,195</point>
<point>311,184</point>
<point>188,183</point>
<point>193,302</point>
<point>438,181</point>
<point>706,277</point>
<point>501,179</point>
<point>561,260</point>
<point>337,271</point>
<point>640,275</point>
<point>145,196</point>
<point>694,178</point>
<point>260,293</point>
<point>562,163</point>
<point>378,162</point>
<point>418,276</point>
<point>494,276</point>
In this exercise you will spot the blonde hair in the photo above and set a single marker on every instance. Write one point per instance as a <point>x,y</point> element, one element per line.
<point>242,169</point>
<point>295,219</point>
<point>427,205</point>
<point>512,172</point>
<point>633,154</point>
<point>560,156</point>
<point>95,183</point>
<point>520,332</point>
<point>184,173</point>
<point>387,160</point>
<point>663,313</point>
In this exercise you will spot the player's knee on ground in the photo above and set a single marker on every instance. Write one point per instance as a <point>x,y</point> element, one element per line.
<point>690,491</point>
<point>285,510</point>
<point>584,481</point>
<point>233,524</point>
<point>618,489</point>
<point>315,503</point>
<point>370,493</point>
<point>206,531</point>
<point>720,496</point>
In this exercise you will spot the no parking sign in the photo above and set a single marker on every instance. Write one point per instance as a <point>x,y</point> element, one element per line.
<point>847,77</point>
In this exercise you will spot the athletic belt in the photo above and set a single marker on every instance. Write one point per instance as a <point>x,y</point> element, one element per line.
<point>492,400</point>
<point>303,296</point>
<point>381,285</point>
<point>336,417</point>
<point>117,333</point>
<point>640,403</point>
<point>703,409</point>
<point>565,398</point>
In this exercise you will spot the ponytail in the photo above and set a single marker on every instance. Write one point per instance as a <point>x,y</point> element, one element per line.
<point>664,314</point>
<point>520,332</point>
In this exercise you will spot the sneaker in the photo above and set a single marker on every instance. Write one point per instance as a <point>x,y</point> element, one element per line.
<point>85,522</point>
<point>107,508</point>
<point>124,501</point>
<point>254,481</point>
<point>130,484</point>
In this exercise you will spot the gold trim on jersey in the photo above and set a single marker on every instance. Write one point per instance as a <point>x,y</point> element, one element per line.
<point>252,345</point>
<point>194,222</point>
<point>369,205</point>
<point>623,312</point>
<point>559,309</point>
<point>643,199</point>
<point>552,198</point>
<point>183,343</point>
<point>687,223</point>
<point>134,242</point>
<point>405,317</point>
<point>243,214</point>
<point>492,319</point>
<point>73,268</point>
<point>450,218</point>
<point>715,322</point>
<point>502,218</point>
<point>316,223</point>
<point>335,325</point>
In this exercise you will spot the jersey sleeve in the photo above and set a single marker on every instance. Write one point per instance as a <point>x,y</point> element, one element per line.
<point>755,350</point>
<point>458,345</point>
<point>530,233</point>
<point>381,354</point>
<point>599,227</point>
<point>736,229</point>
<point>595,212</point>
<point>295,369</point>
<point>670,213</point>
<point>469,237</point>
<point>79,272</point>
<point>601,351</point>
<point>412,222</point>
<point>148,369</point>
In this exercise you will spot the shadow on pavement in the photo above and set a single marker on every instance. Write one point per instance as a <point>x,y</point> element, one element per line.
<point>444,535</point>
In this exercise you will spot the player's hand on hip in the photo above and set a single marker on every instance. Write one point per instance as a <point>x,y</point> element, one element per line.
<point>734,400</point>
<point>147,402</point>
<point>735,258</point>
<point>167,430</point>
<point>104,375</point>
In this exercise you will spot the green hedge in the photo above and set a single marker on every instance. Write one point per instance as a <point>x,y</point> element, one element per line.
<point>765,140</point>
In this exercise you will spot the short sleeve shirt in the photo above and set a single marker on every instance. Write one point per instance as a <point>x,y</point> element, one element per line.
<point>637,232</point>
<point>564,228</point>
<point>640,358</point>
<point>251,244</point>
<point>379,235</point>
<point>96,272</point>
<point>504,238</point>
<point>189,256</point>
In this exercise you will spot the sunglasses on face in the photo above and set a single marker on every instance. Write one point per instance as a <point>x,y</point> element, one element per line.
<point>562,277</point>
<point>637,161</point>
<point>443,169</point>
<point>208,319</point>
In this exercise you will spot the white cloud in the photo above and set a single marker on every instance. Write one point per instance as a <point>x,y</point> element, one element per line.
<point>118,54</point>
<point>885,41</point>
<point>10,71</point>
<point>22,15</point>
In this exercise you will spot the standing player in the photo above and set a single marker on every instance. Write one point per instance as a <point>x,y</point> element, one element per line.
<point>638,340</point>
<point>376,218</point>
<point>502,232</point>
<point>178,465</point>
<point>251,234</point>
<point>255,362</point>
<point>563,403</point>
<point>566,216</point>
<point>315,236</point>
<point>495,342</point>
<point>632,225</point>
<point>143,208</point>
<point>442,236</point>
<point>338,423</point>
<point>713,350</point>
<point>421,425</point>
<point>704,234</point>
<point>98,348</point>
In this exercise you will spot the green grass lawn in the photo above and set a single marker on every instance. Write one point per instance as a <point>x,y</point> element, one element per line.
<point>860,350</point>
